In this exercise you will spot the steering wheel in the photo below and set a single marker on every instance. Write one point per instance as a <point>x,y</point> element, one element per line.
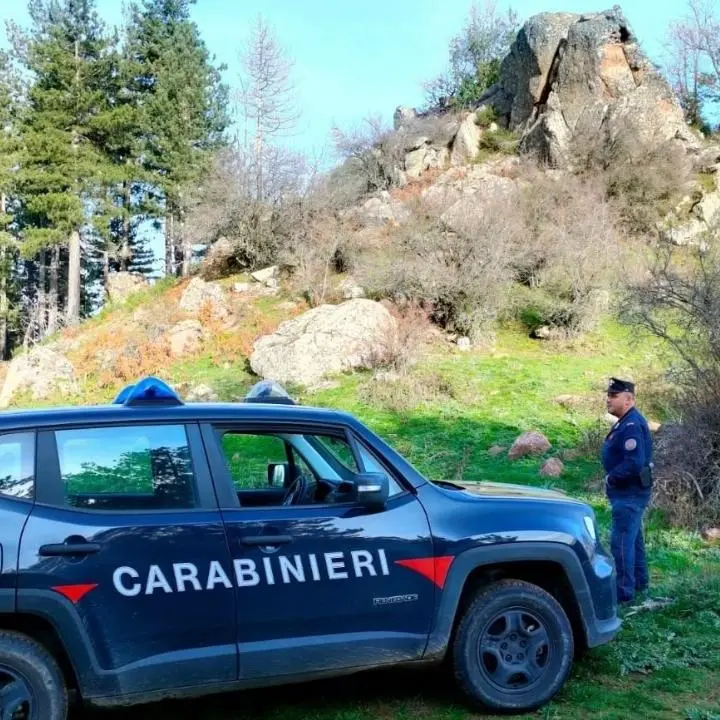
<point>296,490</point>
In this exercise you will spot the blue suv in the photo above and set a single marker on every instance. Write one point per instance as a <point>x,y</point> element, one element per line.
<point>153,548</point>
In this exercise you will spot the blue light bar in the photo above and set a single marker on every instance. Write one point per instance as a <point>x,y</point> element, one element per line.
<point>148,391</point>
<point>268,391</point>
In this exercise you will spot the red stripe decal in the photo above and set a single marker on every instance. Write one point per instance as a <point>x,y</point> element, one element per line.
<point>434,569</point>
<point>74,593</point>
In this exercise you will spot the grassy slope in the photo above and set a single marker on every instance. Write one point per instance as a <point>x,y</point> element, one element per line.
<point>444,415</point>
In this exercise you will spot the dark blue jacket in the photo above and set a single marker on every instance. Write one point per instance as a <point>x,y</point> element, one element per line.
<point>626,451</point>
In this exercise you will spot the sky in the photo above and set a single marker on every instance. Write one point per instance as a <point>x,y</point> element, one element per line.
<point>358,58</point>
<point>353,59</point>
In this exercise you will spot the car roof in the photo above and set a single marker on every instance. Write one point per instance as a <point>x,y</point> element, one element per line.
<point>158,412</point>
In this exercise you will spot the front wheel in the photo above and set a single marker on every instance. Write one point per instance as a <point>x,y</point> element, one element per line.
<point>513,649</point>
<point>31,683</point>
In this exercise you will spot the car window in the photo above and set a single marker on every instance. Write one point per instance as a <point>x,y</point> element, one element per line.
<point>127,468</point>
<point>325,461</point>
<point>17,465</point>
<point>248,456</point>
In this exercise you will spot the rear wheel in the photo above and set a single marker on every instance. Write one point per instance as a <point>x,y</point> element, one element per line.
<point>513,649</point>
<point>31,683</point>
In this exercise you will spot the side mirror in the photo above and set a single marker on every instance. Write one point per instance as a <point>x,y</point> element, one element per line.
<point>371,489</point>
<point>277,472</point>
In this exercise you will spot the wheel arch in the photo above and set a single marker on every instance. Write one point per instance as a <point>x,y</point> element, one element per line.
<point>552,566</point>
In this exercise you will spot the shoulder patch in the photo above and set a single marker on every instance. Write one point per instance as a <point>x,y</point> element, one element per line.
<point>630,444</point>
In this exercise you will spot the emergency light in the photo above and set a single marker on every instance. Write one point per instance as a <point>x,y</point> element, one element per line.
<point>268,391</point>
<point>148,391</point>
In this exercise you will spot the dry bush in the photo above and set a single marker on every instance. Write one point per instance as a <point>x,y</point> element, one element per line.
<point>687,460</point>
<point>406,392</point>
<point>680,304</point>
<point>643,176</point>
<point>460,275</point>
<point>567,254</point>
<point>399,345</point>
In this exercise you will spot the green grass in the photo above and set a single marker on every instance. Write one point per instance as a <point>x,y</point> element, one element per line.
<point>444,415</point>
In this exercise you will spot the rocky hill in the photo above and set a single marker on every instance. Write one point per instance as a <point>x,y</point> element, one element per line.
<point>573,89</point>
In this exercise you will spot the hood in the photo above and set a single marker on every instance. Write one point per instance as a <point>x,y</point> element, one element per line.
<point>507,490</point>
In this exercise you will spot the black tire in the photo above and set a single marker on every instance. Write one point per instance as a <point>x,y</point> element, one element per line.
<point>33,670</point>
<point>501,659</point>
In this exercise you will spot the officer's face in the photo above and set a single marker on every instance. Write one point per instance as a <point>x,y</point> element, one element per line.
<point>619,403</point>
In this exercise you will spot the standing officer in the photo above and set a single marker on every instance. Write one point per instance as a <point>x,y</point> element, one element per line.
<point>627,459</point>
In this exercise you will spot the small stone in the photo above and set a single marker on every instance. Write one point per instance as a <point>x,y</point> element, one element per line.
<point>496,450</point>
<point>553,467</point>
<point>201,393</point>
<point>654,426</point>
<point>463,343</point>
<point>264,275</point>
<point>240,288</point>
<point>529,443</point>
<point>711,534</point>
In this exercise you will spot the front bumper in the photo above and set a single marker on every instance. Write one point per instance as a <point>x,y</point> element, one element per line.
<point>598,601</point>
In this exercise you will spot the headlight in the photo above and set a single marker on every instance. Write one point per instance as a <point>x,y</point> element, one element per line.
<point>590,525</point>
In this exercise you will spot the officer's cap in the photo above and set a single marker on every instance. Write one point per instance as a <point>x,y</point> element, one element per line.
<point>618,386</point>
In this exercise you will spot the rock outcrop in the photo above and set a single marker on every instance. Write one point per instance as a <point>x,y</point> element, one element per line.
<point>327,339</point>
<point>582,77</point>
<point>200,295</point>
<point>121,285</point>
<point>40,372</point>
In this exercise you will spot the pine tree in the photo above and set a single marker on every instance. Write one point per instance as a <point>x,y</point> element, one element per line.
<point>185,111</point>
<point>62,169</point>
<point>9,147</point>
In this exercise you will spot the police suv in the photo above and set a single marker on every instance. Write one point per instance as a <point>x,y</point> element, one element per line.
<point>152,548</point>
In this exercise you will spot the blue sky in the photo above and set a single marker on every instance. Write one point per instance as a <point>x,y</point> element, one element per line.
<point>358,58</point>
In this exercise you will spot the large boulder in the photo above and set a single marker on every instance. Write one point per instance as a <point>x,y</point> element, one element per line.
<point>327,339</point>
<point>121,285</point>
<point>466,144</point>
<point>185,338</point>
<point>41,372</point>
<point>529,443</point>
<point>584,77</point>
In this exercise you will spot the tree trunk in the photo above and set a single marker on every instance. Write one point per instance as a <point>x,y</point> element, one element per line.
<point>4,271</point>
<point>74,270</point>
<point>40,320</point>
<point>169,245</point>
<point>186,253</point>
<point>52,324</point>
<point>125,251</point>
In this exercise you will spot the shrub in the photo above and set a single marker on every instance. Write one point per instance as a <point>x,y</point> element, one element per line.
<point>498,141</point>
<point>680,304</point>
<point>460,275</point>
<point>644,177</point>
<point>567,253</point>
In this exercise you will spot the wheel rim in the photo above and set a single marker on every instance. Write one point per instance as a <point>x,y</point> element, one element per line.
<point>514,651</point>
<point>16,697</point>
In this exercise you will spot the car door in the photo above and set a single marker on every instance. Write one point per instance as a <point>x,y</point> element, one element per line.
<point>322,584</point>
<point>125,551</point>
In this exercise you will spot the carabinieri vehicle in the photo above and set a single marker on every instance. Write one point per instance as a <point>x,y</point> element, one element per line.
<point>153,549</point>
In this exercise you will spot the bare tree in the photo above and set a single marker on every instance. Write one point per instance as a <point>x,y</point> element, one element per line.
<point>267,97</point>
<point>693,52</point>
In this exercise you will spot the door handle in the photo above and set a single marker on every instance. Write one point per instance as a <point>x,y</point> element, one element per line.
<point>265,540</point>
<point>57,549</point>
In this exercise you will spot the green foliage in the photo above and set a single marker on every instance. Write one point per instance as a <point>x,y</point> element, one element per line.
<point>475,57</point>
<point>498,141</point>
<point>486,116</point>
